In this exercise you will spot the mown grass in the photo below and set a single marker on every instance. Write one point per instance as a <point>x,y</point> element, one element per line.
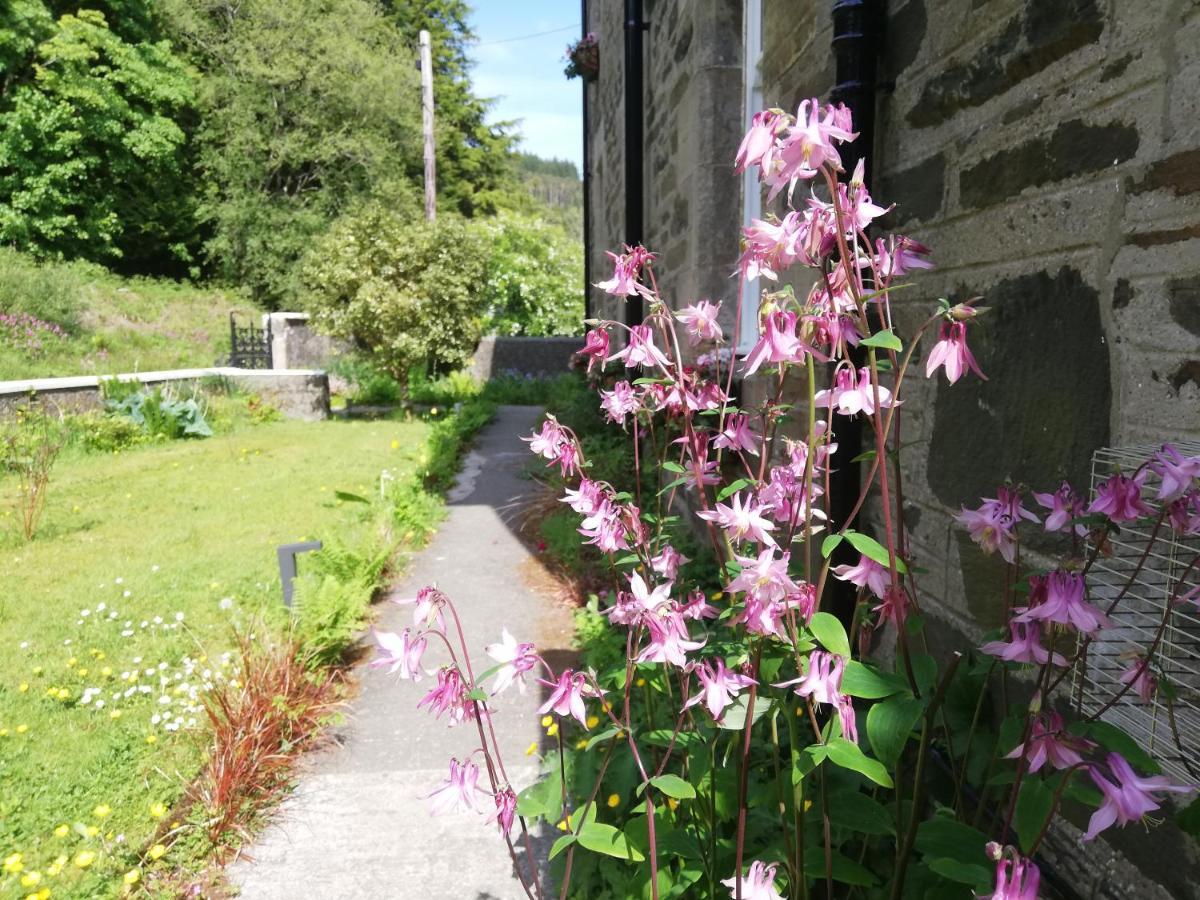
<point>113,324</point>
<point>178,540</point>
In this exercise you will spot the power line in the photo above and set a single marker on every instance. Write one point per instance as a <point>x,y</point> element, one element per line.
<point>525,37</point>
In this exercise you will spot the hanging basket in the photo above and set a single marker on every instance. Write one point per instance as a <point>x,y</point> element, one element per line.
<point>583,59</point>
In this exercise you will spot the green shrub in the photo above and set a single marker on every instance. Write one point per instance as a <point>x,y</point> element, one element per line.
<point>406,292</point>
<point>99,432</point>
<point>445,391</point>
<point>329,614</point>
<point>47,291</point>
<point>159,413</point>
<point>534,280</point>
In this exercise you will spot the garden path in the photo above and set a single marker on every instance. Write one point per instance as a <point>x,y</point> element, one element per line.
<point>357,824</point>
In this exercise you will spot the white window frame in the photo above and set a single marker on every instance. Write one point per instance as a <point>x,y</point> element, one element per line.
<point>752,102</point>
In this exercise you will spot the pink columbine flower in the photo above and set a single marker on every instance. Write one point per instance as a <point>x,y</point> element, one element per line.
<point>1016,878</point>
<point>399,653</point>
<point>765,578</point>
<point>777,344</point>
<point>1064,505</point>
<point>900,255</point>
<point>1025,646</point>
<point>668,640</point>
<point>742,521</point>
<point>847,718</point>
<point>1050,743</point>
<point>1184,513</point>
<point>757,884</point>
<point>646,599</point>
<point>626,268</point>
<point>427,612</point>
<point>506,809</point>
<point>718,687</point>
<point>952,353</point>
<point>737,435</point>
<point>515,660</point>
<point>823,679</point>
<point>585,499</point>
<point>1128,799</point>
<point>1141,678</point>
<point>640,350</point>
<point>697,608</point>
<point>1178,473</point>
<point>1059,597</point>
<point>700,321</point>
<point>567,696</point>
<point>853,393</point>
<point>459,791</point>
<point>1120,498</point>
<point>759,139</point>
<point>620,402</point>
<point>668,561</point>
<point>604,528</point>
<point>994,525</point>
<point>770,247</point>
<point>867,574</point>
<point>449,696</point>
<point>892,606</point>
<point>595,348</point>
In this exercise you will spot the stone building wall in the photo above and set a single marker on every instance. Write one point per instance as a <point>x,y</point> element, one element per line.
<point>1049,153</point>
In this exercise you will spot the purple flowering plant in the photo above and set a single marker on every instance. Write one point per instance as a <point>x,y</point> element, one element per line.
<point>750,743</point>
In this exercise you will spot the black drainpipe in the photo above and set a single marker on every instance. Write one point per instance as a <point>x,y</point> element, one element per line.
<point>587,184</point>
<point>635,27</point>
<point>857,44</point>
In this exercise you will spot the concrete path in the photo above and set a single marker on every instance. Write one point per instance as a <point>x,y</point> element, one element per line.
<point>357,825</point>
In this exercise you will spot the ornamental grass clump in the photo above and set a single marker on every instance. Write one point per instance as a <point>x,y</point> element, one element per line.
<point>750,743</point>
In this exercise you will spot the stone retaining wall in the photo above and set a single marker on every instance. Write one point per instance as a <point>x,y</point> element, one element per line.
<point>298,393</point>
<point>537,356</point>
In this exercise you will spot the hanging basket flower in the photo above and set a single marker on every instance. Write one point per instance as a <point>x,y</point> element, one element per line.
<point>583,58</point>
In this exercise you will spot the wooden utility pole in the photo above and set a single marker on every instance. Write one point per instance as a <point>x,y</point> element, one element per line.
<point>427,127</point>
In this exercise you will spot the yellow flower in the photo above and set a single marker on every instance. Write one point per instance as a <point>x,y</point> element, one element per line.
<point>563,826</point>
<point>64,694</point>
<point>715,595</point>
<point>71,662</point>
<point>552,730</point>
<point>24,687</point>
<point>83,673</point>
<point>115,714</point>
<point>3,732</point>
<point>581,743</point>
<point>31,879</point>
<point>84,858</point>
<point>13,864</point>
<point>54,869</point>
<point>593,721</point>
<point>21,729</point>
<point>673,803</point>
<point>106,672</point>
<point>62,830</point>
<point>395,444</point>
<point>158,810</point>
<point>614,800</point>
<point>641,682</point>
<point>102,811</point>
<point>37,670</point>
<point>132,876</point>
<point>151,739</point>
<point>92,831</point>
<point>546,721</point>
<point>157,851</point>
<point>531,749</point>
<point>807,805</point>
<point>434,411</point>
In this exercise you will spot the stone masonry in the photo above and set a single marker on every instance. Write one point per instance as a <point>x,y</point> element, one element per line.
<point>1049,153</point>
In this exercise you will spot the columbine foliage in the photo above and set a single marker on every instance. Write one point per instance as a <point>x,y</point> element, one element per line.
<point>749,743</point>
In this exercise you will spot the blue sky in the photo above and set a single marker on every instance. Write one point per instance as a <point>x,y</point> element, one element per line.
<point>525,76</point>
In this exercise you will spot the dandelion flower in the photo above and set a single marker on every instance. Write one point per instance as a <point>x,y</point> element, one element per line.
<point>31,879</point>
<point>13,864</point>
<point>102,811</point>
<point>614,801</point>
<point>84,858</point>
<point>593,721</point>
<point>151,739</point>
<point>115,714</point>
<point>24,687</point>
<point>62,830</point>
<point>158,810</point>
<point>157,851</point>
<point>21,729</point>
<point>92,831</point>
<point>132,877</point>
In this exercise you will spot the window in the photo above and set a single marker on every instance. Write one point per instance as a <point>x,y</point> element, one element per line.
<point>752,102</point>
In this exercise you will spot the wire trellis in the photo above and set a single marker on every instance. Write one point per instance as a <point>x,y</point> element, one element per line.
<point>1168,725</point>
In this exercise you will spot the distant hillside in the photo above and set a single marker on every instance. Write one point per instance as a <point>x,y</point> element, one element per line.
<point>554,183</point>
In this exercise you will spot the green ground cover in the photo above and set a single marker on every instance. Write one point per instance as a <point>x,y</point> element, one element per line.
<point>115,617</point>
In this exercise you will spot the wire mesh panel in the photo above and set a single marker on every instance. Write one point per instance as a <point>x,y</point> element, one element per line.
<point>1143,566</point>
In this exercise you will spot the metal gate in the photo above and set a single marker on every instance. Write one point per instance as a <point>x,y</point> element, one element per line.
<point>249,347</point>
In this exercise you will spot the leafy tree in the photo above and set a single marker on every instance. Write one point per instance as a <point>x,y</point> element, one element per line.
<point>402,289</point>
<point>474,166</point>
<point>94,156</point>
<point>309,107</point>
<point>534,280</point>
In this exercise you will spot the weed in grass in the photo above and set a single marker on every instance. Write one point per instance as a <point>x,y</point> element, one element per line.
<point>29,447</point>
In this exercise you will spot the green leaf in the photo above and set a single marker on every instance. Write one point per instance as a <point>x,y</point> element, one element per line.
<point>848,755</point>
<point>872,549</point>
<point>885,339</point>
<point>601,838</point>
<point>562,844</point>
<point>672,466</point>
<point>961,872</point>
<point>733,488</point>
<point>867,682</point>
<point>661,737</point>
<point>673,786</point>
<point>1033,808</point>
<point>544,798</point>
<point>674,484</point>
<point>843,868</point>
<point>925,670</point>
<point>1189,818</point>
<point>860,814</point>
<point>828,629</point>
<point>603,736</point>
<point>350,498</point>
<point>944,838</point>
<point>1112,738</point>
<point>807,760</point>
<point>890,724</point>
<point>830,544</point>
<point>477,694</point>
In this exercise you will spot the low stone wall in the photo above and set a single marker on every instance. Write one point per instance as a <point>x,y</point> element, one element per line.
<point>524,356</point>
<point>297,393</point>
<point>294,344</point>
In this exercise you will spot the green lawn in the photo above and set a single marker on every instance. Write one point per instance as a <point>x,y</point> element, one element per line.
<point>144,560</point>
